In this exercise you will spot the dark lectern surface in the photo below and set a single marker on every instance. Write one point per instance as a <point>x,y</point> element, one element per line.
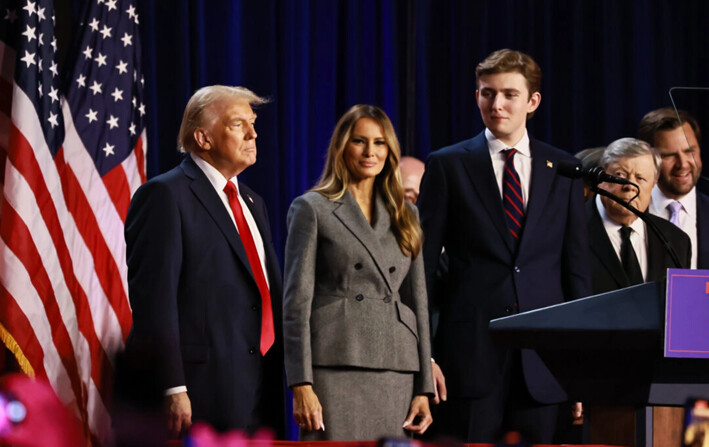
<point>608,348</point>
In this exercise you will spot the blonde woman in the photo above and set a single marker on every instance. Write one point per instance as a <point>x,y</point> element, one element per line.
<point>357,346</point>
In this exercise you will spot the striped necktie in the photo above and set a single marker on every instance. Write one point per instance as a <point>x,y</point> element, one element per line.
<point>512,196</point>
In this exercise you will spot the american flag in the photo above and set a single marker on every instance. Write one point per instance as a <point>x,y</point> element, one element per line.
<point>75,153</point>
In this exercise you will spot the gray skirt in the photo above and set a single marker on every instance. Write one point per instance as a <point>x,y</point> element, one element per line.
<point>361,404</point>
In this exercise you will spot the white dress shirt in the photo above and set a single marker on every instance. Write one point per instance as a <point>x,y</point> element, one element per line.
<point>687,215</point>
<point>638,237</point>
<point>522,161</point>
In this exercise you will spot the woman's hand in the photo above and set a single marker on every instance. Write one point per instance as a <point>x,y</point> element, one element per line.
<point>307,410</point>
<point>420,409</point>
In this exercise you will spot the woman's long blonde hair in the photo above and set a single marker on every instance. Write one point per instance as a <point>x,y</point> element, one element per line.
<point>335,178</point>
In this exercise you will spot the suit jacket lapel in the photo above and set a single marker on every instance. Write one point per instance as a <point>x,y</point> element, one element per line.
<point>602,247</point>
<point>349,213</point>
<point>482,177</point>
<point>205,193</point>
<point>539,187</point>
<point>655,256</point>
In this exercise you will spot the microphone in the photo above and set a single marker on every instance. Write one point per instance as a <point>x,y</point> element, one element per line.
<point>593,176</point>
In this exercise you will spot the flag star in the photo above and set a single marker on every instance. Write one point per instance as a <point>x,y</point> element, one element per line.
<point>29,33</point>
<point>106,32</point>
<point>40,39</point>
<point>94,25</point>
<point>11,15</point>
<point>131,129</point>
<point>111,4</point>
<point>108,149</point>
<point>117,95</point>
<point>81,80</point>
<point>39,89</point>
<point>28,59</point>
<point>100,59</point>
<point>122,67</point>
<point>87,52</point>
<point>141,109</point>
<point>39,66</point>
<point>54,44</point>
<point>134,102</point>
<point>142,81</point>
<point>96,88</point>
<point>127,39</point>
<point>112,122</point>
<point>92,116</point>
<point>40,13</point>
<point>53,119</point>
<point>53,69</point>
<point>54,94</point>
<point>131,11</point>
<point>30,8</point>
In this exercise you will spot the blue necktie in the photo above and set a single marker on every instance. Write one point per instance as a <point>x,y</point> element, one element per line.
<point>512,196</point>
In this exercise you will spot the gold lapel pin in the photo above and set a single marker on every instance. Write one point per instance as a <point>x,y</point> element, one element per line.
<point>550,164</point>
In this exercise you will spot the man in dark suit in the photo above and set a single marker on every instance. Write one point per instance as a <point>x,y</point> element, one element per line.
<point>515,235</point>
<point>615,263</point>
<point>676,136</point>
<point>204,281</point>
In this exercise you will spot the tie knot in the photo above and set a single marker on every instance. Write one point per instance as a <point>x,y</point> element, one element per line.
<point>625,232</point>
<point>674,207</point>
<point>510,153</point>
<point>230,189</point>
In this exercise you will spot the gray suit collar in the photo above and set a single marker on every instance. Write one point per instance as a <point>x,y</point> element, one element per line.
<point>349,213</point>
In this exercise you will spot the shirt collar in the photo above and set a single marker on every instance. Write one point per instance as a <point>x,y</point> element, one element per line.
<point>496,146</point>
<point>689,201</point>
<point>610,225</point>
<point>213,175</point>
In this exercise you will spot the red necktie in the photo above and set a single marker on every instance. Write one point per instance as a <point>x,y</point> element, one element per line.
<point>267,334</point>
<point>512,196</point>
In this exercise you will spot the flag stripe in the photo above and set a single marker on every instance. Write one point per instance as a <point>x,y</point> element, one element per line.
<point>63,273</point>
<point>119,190</point>
<point>19,240</point>
<point>29,358</point>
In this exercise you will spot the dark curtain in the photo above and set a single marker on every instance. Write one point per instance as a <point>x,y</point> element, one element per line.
<point>605,64</point>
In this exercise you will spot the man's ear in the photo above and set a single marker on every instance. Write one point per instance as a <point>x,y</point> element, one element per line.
<point>202,138</point>
<point>534,100</point>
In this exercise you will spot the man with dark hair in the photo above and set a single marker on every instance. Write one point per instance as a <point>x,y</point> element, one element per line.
<point>676,136</point>
<point>515,235</point>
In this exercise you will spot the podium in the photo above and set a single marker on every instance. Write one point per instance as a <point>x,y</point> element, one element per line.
<point>608,349</point>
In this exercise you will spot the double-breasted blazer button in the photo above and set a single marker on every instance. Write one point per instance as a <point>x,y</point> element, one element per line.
<point>252,351</point>
<point>359,297</point>
<point>392,269</point>
<point>358,266</point>
<point>387,299</point>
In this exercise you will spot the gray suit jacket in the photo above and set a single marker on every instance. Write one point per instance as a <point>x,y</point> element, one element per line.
<point>352,298</point>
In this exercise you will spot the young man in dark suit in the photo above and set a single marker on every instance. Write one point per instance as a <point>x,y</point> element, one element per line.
<point>515,236</point>
<point>204,281</point>
<point>676,136</point>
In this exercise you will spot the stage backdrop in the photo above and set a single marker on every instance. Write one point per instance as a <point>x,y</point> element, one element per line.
<point>605,63</point>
